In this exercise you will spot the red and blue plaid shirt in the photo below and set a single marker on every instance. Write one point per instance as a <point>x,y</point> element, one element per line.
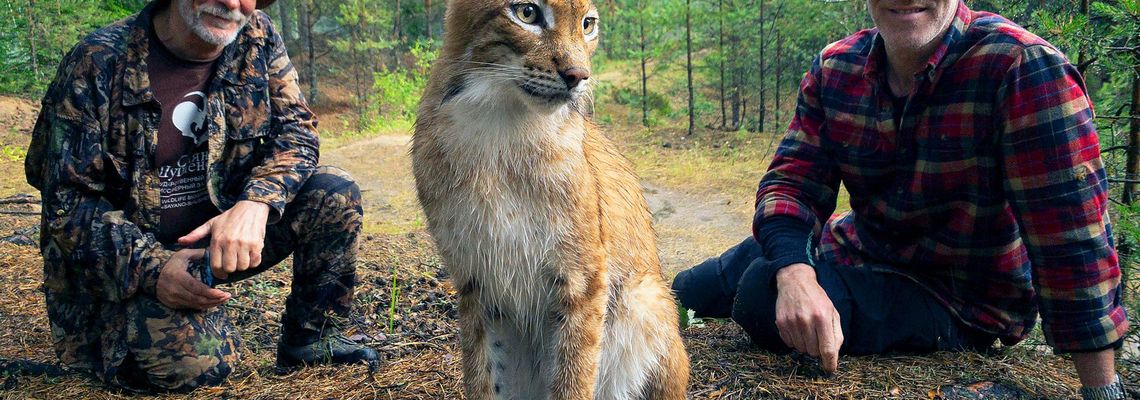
<point>991,192</point>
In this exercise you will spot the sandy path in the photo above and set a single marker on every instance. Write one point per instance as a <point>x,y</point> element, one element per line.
<point>691,226</point>
<point>383,169</point>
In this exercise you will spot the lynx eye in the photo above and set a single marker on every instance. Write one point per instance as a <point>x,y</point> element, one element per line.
<point>528,13</point>
<point>590,25</point>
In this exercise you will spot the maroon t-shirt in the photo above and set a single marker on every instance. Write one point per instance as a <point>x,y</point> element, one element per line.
<point>179,86</point>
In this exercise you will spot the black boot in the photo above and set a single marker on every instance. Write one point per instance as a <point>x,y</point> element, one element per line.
<point>332,348</point>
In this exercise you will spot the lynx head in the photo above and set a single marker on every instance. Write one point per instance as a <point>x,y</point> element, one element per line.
<point>536,52</point>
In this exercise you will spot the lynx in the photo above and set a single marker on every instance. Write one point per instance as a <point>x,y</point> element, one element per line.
<point>540,221</point>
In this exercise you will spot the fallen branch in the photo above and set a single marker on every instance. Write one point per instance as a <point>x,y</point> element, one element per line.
<point>437,372</point>
<point>429,344</point>
<point>17,212</point>
<point>1116,117</point>
<point>30,368</point>
<point>1122,48</point>
<point>1085,65</point>
<point>20,199</point>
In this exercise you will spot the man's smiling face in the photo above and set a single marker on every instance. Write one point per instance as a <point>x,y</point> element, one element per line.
<point>911,24</point>
<point>216,22</point>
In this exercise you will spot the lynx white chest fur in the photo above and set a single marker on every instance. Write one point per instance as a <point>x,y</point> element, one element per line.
<point>539,219</point>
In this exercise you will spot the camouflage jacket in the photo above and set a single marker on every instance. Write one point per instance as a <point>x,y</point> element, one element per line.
<point>92,158</point>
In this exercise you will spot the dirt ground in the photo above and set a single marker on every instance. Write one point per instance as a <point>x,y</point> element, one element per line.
<point>17,116</point>
<point>405,307</point>
<point>691,226</point>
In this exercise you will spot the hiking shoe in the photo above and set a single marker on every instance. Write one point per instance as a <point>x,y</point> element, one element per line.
<point>333,348</point>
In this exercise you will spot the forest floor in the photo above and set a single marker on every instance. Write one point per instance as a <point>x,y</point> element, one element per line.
<point>405,306</point>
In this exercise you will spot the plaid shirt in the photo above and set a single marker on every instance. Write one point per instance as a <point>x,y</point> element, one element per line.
<point>991,193</point>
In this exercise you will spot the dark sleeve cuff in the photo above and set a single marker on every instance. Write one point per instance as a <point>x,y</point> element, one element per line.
<point>785,241</point>
<point>152,267</point>
<point>268,193</point>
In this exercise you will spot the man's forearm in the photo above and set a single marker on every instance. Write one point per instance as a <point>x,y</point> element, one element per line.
<point>1095,368</point>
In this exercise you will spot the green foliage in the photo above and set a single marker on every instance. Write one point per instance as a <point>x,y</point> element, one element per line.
<point>626,96</point>
<point>359,20</point>
<point>394,297</point>
<point>759,53</point>
<point>38,34</point>
<point>355,37</point>
<point>658,103</point>
<point>704,107</point>
<point>398,92</point>
<point>14,153</point>
<point>1127,230</point>
<point>1065,31</point>
<point>602,90</point>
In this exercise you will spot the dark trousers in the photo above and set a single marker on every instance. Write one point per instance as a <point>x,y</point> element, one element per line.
<point>319,228</point>
<point>879,311</point>
<point>183,349</point>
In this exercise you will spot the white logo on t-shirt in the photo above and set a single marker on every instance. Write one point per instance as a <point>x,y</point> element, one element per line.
<point>190,119</point>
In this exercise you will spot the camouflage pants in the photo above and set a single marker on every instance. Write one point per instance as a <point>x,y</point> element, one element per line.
<point>183,349</point>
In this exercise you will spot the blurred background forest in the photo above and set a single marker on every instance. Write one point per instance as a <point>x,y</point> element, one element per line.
<point>704,71</point>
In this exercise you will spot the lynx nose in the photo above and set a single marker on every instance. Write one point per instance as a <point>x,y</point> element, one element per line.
<point>574,76</point>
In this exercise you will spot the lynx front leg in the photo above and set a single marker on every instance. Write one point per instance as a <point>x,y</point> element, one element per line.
<point>472,338</point>
<point>578,320</point>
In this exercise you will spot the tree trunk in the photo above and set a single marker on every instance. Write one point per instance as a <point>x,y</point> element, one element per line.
<point>396,22</point>
<point>1132,165</point>
<point>743,112</point>
<point>720,50</point>
<point>644,77</point>
<point>1030,8</point>
<point>393,61</point>
<point>1082,55</point>
<point>288,31</point>
<point>779,61</point>
<point>689,62</point>
<point>303,28</point>
<point>734,97</point>
<point>427,12</point>
<point>612,20</point>
<point>779,72</point>
<point>309,72</point>
<point>32,38</point>
<point>357,66</point>
<point>763,67</point>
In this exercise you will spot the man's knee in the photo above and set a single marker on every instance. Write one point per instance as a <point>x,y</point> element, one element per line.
<point>329,181</point>
<point>178,351</point>
<point>328,206</point>
<point>754,307</point>
<point>183,374</point>
<point>329,199</point>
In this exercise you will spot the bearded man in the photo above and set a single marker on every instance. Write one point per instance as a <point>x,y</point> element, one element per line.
<point>978,202</point>
<point>174,152</point>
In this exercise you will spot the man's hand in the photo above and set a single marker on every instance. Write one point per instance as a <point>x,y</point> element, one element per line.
<point>236,237</point>
<point>179,290</point>
<point>805,316</point>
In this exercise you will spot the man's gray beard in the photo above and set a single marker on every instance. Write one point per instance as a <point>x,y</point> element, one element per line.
<point>193,19</point>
